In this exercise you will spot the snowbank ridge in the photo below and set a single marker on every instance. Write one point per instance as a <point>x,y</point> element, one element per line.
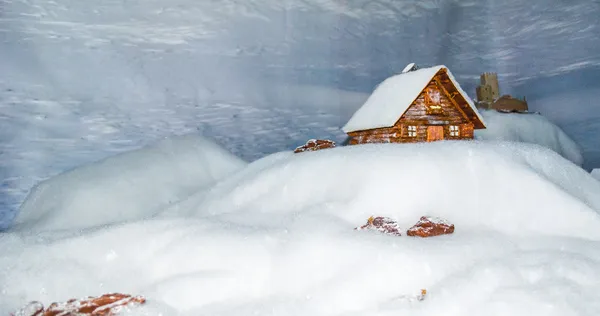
<point>127,186</point>
<point>278,237</point>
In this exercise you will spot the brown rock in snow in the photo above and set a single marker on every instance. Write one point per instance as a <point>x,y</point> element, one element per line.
<point>105,305</point>
<point>384,225</point>
<point>430,226</point>
<point>315,144</point>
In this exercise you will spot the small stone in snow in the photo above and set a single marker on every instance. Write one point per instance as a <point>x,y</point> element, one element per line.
<point>381,224</point>
<point>315,144</point>
<point>430,226</point>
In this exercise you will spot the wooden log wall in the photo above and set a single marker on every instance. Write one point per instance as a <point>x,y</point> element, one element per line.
<point>444,81</point>
<point>418,112</point>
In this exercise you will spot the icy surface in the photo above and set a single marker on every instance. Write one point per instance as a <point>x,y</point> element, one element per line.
<point>127,186</point>
<point>82,81</point>
<point>278,237</point>
<point>529,128</point>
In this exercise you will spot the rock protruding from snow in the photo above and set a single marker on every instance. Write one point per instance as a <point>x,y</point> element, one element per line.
<point>430,226</point>
<point>105,305</point>
<point>315,144</point>
<point>384,225</point>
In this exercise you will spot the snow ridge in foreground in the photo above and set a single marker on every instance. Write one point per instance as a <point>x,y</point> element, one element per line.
<point>277,237</point>
<point>127,186</point>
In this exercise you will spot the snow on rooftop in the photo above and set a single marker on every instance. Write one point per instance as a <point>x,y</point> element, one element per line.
<point>393,96</point>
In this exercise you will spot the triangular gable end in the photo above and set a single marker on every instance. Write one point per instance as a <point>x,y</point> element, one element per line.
<point>461,98</point>
<point>454,94</point>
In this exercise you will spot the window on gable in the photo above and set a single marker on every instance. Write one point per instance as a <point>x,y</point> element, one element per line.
<point>454,131</point>
<point>433,102</point>
<point>411,131</point>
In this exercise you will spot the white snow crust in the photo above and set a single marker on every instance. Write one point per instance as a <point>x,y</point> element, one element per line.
<point>595,173</point>
<point>81,81</point>
<point>127,186</point>
<point>529,128</point>
<point>392,97</point>
<point>277,237</point>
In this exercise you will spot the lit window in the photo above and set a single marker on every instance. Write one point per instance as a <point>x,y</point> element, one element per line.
<point>412,131</point>
<point>454,131</point>
<point>432,102</point>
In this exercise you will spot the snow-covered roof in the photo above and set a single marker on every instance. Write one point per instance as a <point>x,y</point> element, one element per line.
<point>394,96</point>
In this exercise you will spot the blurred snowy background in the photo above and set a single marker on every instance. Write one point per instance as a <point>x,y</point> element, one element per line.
<point>82,80</point>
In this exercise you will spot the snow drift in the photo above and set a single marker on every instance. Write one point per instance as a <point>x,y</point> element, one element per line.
<point>127,186</point>
<point>529,128</point>
<point>277,237</point>
<point>595,173</point>
<point>496,184</point>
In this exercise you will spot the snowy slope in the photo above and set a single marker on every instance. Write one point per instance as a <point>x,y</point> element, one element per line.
<point>127,186</point>
<point>596,173</point>
<point>82,81</point>
<point>529,128</point>
<point>277,238</point>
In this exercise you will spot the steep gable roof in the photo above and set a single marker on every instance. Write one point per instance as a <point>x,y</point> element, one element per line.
<point>394,96</point>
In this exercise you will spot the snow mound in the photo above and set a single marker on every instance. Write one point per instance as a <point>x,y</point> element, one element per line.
<point>510,187</point>
<point>278,237</point>
<point>595,173</point>
<point>529,128</point>
<point>127,186</point>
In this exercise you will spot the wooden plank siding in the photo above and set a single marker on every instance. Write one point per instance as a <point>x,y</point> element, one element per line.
<point>438,104</point>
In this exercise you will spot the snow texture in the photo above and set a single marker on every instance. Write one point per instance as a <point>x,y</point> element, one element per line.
<point>394,96</point>
<point>127,186</point>
<point>277,237</point>
<point>596,173</point>
<point>529,128</point>
<point>82,81</point>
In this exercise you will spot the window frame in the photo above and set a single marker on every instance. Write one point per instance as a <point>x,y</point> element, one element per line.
<point>431,107</point>
<point>411,131</point>
<point>454,130</point>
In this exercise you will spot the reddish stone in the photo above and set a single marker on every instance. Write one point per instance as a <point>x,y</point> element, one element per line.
<point>105,305</point>
<point>381,224</point>
<point>315,144</point>
<point>430,226</point>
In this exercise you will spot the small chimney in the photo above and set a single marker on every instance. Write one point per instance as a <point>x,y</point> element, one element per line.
<point>410,67</point>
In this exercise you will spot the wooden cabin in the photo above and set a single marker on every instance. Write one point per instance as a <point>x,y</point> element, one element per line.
<point>418,105</point>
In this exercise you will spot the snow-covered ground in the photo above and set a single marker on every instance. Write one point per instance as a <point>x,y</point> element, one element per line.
<point>130,185</point>
<point>277,237</point>
<point>595,173</point>
<point>529,128</point>
<point>198,232</point>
